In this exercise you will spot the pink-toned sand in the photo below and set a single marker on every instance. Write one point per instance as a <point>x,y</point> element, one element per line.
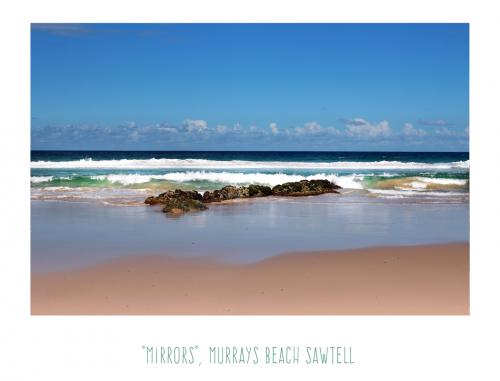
<point>430,280</point>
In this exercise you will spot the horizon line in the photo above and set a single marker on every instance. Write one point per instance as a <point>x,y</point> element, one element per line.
<point>187,150</point>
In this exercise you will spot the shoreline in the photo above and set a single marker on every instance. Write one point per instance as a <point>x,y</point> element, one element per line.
<point>385,280</point>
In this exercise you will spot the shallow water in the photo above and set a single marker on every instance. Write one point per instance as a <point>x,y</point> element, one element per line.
<point>72,234</point>
<point>124,177</point>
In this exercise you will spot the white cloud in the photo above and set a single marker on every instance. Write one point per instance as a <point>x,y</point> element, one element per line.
<point>409,130</point>
<point>308,128</point>
<point>171,130</point>
<point>198,131</point>
<point>361,128</point>
<point>313,127</point>
<point>274,128</point>
<point>444,131</point>
<point>452,133</point>
<point>333,131</point>
<point>195,125</point>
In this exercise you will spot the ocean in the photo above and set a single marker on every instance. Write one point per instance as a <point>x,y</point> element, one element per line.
<point>128,177</point>
<point>88,207</point>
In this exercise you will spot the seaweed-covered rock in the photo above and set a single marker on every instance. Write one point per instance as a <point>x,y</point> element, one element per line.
<point>259,191</point>
<point>305,188</point>
<point>179,201</point>
<point>231,192</point>
<point>227,193</point>
<point>176,206</point>
<point>177,194</point>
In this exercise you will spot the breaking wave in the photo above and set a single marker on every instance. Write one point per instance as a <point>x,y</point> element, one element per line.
<point>240,164</point>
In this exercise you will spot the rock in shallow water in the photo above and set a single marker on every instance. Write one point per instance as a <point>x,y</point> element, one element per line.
<point>180,201</point>
<point>177,194</point>
<point>227,193</point>
<point>231,192</point>
<point>305,188</point>
<point>177,201</point>
<point>259,191</point>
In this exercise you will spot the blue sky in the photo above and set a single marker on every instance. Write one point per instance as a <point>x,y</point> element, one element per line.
<point>250,86</point>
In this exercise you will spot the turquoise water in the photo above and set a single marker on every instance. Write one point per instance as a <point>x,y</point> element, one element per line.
<point>127,177</point>
<point>79,218</point>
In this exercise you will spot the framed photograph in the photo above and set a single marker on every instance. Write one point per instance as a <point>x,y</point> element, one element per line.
<point>250,169</point>
<point>249,190</point>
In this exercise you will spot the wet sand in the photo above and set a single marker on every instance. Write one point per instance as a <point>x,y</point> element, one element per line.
<point>71,235</point>
<point>393,280</point>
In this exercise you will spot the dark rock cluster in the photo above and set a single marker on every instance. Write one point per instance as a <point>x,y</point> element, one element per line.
<point>179,201</point>
<point>231,192</point>
<point>305,188</point>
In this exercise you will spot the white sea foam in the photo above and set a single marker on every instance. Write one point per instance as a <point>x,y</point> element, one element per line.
<point>41,179</point>
<point>402,192</point>
<point>422,183</point>
<point>44,179</point>
<point>240,164</point>
<point>430,180</point>
<point>112,196</point>
<point>53,189</point>
<point>418,185</point>
<point>385,174</point>
<point>348,181</point>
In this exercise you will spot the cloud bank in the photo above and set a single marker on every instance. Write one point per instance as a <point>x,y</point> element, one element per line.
<point>352,134</point>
